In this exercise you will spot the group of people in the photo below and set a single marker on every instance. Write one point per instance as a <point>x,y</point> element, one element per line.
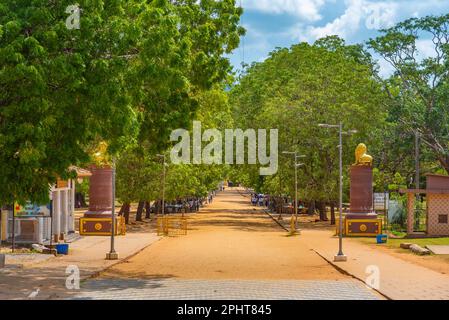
<point>189,205</point>
<point>275,204</point>
<point>259,200</point>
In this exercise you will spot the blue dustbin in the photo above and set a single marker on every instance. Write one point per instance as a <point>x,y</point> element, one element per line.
<point>382,238</point>
<point>62,248</point>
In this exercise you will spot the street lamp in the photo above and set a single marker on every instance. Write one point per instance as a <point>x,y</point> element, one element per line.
<point>340,257</point>
<point>294,225</point>
<point>163,182</point>
<point>113,255</point>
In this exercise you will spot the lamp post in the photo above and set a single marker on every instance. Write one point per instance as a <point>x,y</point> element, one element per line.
<point>113,255</point>
<point>294,224</point>
<point>340,257</point>
<point>163,183</point>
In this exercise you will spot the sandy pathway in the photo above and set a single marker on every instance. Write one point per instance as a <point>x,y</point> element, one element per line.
<point>229,239</point>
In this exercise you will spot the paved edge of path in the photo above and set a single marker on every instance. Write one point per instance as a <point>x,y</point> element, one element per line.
<point>168,289</point>
<point>97,273</point>
<point>330,262</point>
<point>398,279</point>
<point>268,213</point>
<point>343,271</point>
<point>88,254</point>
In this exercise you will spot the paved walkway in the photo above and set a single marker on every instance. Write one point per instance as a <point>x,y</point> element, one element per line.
<point>47,278</point>
<point>167,289</point>
<point>398,279</point>
<point>232,251</point>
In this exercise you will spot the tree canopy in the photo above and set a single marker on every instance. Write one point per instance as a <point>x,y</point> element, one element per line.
<point>128,75</point>
<point>296,89</point>
<point>418,90</point>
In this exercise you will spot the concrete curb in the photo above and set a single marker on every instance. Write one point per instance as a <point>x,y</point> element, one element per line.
<point>276,220</point>
<point>342,271</point>
<point>97,273</point>
<point>268,213</point>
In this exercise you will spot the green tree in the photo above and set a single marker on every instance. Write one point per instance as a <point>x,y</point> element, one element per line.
<point>296,89</point>
<point>128,76</point>
<point>60,88</point>
<point>418,91</point>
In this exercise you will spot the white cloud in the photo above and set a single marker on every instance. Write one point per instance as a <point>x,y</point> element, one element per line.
<point>358,14</point>
<point>346,24</point>
<point>425,48</point>
<point>306,9</point>
<point>385,68</point>
<point>313,19</point>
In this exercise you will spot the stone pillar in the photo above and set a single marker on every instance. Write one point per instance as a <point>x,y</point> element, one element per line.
<point>362,219</point>
<point>72,192</point>
<point>361,192</point>
<point>56,215</point>
<point>64,213</point>
<point>98,220</point>
<point>100,191</point>
<point>410,213</point>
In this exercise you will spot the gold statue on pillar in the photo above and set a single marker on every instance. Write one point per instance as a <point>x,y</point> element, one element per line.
<point>361,157</point>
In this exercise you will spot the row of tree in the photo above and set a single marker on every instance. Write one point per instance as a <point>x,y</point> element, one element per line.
<point>133,71</point>
<point>329,81</point>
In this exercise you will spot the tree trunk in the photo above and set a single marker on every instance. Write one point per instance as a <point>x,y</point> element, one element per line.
<point>158,207</point>
<point>140,208</point>
<point>333,222</point>
<point>126,209</point>
<point>80,201</point>
<point>147,210</point>
<point>311,208</point>
<point>122,210</point>
<point>322,209</point>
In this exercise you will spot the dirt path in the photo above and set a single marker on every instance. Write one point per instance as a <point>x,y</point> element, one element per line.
<point>229,239</point>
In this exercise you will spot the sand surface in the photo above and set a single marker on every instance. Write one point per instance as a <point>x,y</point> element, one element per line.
<point>229,239</point>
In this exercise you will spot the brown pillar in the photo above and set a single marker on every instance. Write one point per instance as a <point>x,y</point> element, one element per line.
<point>361,190</point>
<point>100,191</point>
<point>410,213</point>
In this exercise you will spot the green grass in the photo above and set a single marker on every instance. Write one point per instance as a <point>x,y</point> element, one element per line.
<point>395,243</point>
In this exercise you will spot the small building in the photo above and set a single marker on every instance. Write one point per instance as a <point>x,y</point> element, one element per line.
<point>36,223</point>
<point>437,197</point>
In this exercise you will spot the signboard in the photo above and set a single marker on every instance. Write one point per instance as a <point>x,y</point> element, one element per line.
<point>31,210</point>
<point>381,201</point>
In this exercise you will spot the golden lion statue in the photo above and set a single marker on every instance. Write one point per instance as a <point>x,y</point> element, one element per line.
<point>361,157</point>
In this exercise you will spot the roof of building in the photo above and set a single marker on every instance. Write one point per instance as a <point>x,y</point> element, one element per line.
<point>80,172</point>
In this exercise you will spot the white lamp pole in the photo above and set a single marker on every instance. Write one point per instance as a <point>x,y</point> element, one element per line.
<point>340,257</point>
<point>294,226</point>
<point>113,255</point>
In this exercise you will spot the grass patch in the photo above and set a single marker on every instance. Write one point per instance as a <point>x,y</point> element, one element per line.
<point>395,243</point>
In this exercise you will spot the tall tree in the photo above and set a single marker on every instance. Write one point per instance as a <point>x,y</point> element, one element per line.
<point>59,89</point>
<point>129,74</point>
<point>419,89</point>
<point>296,89</point>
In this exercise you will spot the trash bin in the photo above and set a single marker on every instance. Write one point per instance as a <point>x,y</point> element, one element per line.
<point>62,248</point>
<point>382,238</point>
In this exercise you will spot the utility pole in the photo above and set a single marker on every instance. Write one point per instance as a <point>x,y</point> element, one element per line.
<point>113,255</point>
<point>417,158</point>
<point>341,255</point>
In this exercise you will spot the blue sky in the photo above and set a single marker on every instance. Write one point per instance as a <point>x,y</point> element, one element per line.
<point>281,23</point>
